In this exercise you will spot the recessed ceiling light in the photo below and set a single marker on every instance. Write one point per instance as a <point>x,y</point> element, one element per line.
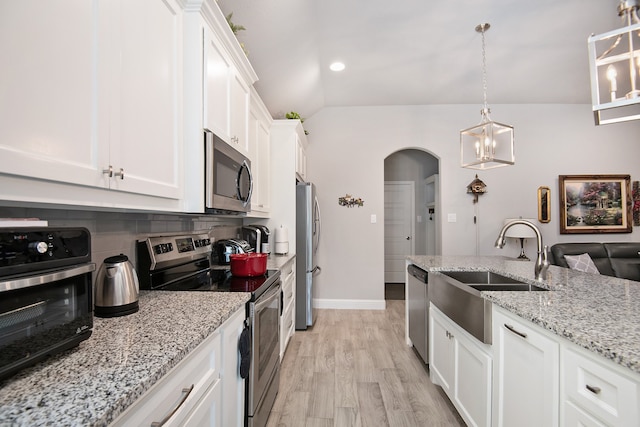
<point>336,66</point>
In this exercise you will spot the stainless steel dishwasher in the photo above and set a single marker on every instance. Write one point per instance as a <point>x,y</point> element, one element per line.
<point>418,303</point>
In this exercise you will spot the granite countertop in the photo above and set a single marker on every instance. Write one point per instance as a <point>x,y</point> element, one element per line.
<point>90,385</point>
<point>596,312</point>
<point>275,262</point>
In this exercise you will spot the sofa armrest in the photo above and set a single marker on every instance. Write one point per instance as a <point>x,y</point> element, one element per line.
<point>625,259</point>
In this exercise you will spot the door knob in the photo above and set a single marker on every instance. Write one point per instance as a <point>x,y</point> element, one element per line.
<point>408,237</point>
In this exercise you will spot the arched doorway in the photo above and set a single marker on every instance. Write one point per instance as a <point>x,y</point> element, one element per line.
<point>411,213</point>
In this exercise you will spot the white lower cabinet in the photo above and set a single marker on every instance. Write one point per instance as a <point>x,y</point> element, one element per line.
<point>526,373</point>
<point>595,394</point>
<point>287,320</point>
<point>204,389</point>
<point>462,366</point>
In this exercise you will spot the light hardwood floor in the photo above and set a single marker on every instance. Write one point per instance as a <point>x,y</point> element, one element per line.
<point>353,368</point>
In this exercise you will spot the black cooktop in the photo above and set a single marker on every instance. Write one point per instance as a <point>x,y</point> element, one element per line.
<point>224,281</point>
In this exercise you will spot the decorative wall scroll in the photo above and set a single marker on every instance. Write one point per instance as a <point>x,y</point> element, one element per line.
<point>349,201</point>
<point>595,204</point>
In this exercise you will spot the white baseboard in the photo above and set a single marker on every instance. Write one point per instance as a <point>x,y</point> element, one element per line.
<point>350,304</point>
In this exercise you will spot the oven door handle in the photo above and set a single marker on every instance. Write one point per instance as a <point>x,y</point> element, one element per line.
<point>267,297</point>
<point>41,279</point>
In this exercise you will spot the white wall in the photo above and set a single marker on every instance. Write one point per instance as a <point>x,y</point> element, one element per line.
<point>348,145</point>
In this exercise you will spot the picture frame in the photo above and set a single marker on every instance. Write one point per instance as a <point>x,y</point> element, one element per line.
<point>595,204</point>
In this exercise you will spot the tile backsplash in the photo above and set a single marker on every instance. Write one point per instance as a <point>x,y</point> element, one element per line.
<point>113,233</point>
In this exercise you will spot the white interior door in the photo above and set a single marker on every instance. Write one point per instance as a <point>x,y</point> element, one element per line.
<point>399,208</point>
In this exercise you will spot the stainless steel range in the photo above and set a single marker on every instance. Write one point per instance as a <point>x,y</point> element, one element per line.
<point>183,263</point>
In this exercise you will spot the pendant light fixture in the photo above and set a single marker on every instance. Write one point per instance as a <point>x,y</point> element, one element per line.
<point>614,62</point>
<point>488,145</point>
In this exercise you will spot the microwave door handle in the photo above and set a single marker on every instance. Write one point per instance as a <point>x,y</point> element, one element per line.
<point>244,201</point>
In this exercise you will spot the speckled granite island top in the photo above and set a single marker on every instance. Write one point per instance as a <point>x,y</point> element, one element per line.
<point>596,312</point>
<point>93,383</point>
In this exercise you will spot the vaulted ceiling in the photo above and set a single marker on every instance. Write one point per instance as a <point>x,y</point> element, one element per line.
<point>413,52</point>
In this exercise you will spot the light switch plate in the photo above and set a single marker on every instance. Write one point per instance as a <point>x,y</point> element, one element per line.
<point>374,218</point>
<point>452,217</point>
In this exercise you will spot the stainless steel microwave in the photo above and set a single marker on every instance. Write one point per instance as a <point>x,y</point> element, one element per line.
<point>228,180</point>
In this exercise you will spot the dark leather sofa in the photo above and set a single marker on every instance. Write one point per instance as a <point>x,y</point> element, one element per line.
<point>612,259</point>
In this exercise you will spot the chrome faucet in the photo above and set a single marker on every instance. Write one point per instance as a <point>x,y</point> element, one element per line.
<point>542,261</point>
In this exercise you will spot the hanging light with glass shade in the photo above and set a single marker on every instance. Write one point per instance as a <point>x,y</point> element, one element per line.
<point>488,145</point>
<point>614,62</point>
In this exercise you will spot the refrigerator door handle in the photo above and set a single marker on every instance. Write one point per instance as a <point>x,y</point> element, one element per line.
<point>316,268</point>
<point>318,223</point>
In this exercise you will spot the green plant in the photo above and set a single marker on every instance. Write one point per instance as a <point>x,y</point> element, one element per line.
<point>235,29</point>
<point>294,115</point>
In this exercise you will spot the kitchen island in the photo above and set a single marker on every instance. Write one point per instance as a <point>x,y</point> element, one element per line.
<point>566,356</point>
<point>93,383</point>
<point>596,312</point>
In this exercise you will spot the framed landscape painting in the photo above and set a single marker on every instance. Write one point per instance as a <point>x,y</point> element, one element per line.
<point>595,204</point>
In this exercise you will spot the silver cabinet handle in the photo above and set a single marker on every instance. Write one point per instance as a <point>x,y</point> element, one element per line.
<point>185,393</point>
<point>109,172</point>
<point>593,389</point>
<point>512,329</point>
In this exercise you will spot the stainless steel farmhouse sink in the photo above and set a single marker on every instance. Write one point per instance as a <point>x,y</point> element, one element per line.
<point>458,295</point>
<point>479,277</point>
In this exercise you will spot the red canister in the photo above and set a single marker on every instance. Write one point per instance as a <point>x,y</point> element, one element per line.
<point>248,265</point>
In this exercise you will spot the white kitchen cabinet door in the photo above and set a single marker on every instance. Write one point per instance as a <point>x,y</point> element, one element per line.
<point>217,75</point>
<point>462,366</point>
<point>207,412</point>
<point>94,88</point>
<point>260,155</point>
<point>440,352</point>
<point>287,320</point>
<point>239,110</point>
<point>526,376</point>
<point>50,125</point>
<point>145,101</point>
<point>301,160</point>
<point>233,386</point>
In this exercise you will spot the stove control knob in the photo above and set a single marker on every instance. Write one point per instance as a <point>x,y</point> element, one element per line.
<point>39,247</point>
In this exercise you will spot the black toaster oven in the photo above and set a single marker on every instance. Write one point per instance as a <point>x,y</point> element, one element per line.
<point>46,301</point>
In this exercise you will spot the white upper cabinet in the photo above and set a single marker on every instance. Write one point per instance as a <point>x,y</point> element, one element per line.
<point>49,113</point>
<point>239,110</point>
<point>95,88</point>
<point>217,85</point>
<point>260,154</point>
<point>144,97</point>
<point>217,74</point>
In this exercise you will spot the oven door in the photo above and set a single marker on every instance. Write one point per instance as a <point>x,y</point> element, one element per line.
<point>43,314</point>
<point>265,339</point>
<point>228,180</point>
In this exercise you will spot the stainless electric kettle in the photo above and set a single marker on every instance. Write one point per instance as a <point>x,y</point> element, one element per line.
<point>116,288</point>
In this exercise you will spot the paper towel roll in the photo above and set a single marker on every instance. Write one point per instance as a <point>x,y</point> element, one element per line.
<point>282,234</point>
<point>281,246</point>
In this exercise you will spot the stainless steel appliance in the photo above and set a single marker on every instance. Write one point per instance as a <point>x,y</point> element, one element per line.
<point>228,180</point>
<point>418,307</point>
<point>258,237</point>
<point>45,293</point>
<point>307,240</point>
<point>182,263</point>
<point>117,288</point>
<point>225,248</point>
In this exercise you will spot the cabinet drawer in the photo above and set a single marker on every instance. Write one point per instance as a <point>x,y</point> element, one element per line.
<point>179,390</point>
<point>600,390</point>
<point>574,416</point>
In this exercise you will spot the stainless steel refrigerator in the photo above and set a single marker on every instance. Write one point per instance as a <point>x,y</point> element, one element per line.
<point>307,239</point>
